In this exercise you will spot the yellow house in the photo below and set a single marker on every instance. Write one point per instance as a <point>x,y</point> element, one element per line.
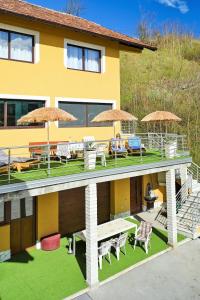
<point>52,59</point>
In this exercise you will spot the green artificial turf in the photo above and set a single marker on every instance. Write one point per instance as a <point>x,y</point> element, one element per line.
<point>36,275</point>
<point>158,244</point>
<point>77,166</point>
<point>39,275</point>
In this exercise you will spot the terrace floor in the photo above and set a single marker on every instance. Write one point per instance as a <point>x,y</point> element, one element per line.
<point>36,275</point>
<point>77,166</point>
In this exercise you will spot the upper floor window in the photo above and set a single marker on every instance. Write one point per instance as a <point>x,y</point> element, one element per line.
<point>12,110</point>
<point>85,113</point>
<point>82,58</point>
<point>16,46</point>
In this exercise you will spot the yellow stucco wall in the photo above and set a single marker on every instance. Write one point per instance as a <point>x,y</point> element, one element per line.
<point>120,196</point>
<point>47,215</point>
<point>160,191</point>
<point>50,78</point>
<point>4,238</point>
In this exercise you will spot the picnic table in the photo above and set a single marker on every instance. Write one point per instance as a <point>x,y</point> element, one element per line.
<point>106,230</point>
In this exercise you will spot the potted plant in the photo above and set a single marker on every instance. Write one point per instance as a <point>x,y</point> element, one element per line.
<point>90,156</point>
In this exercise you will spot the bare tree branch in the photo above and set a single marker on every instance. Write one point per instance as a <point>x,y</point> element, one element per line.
<point>74,7</point>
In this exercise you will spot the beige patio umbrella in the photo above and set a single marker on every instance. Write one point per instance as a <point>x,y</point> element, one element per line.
<point>47,115</point>
<point>161,117</point>
<point>113,115</point>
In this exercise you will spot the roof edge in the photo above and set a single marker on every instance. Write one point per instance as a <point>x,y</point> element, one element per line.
<point>139,45</point>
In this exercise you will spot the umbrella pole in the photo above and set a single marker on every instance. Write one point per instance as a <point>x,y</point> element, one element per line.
<point>49,165</point>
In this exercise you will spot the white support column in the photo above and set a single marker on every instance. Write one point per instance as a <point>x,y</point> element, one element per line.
<point>183,174</point>
<point>91,235</point>
<point>184,177</point>
<point>171,208</point>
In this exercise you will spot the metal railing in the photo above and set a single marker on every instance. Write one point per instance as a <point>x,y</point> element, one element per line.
<point>194,170</point>
<point>196,212</point>
<point>38,161</point>
<point>159,139</point>
<point>183,194</point>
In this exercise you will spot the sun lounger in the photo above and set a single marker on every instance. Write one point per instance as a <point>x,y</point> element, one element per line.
<point>3,168</point>
<point>134,145</point>
<point>117,148</point>
<point>18,163</point>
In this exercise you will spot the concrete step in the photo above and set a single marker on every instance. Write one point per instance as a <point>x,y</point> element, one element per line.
<point>190,204</point>
<point>186,232</point>
<point>189,210</point>
<point>187,222</point>
<point>188,214</point>
<point>192,200</point>
<point>195,190</point>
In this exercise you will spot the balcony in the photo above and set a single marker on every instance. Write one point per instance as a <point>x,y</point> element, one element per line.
<point>42,162</point>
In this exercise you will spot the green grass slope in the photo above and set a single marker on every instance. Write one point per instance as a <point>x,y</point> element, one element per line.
<point>168,79</point>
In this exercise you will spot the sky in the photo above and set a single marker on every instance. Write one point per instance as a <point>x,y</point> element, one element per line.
<point>124,15</point>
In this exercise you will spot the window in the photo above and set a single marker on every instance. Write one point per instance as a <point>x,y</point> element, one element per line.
<point>85,59</point>
<point>12,110</point>
<point>84,112</point>
<point>5,212</point>
<point>16,209</point>
<point>16,46</point>
<point>21,208</point>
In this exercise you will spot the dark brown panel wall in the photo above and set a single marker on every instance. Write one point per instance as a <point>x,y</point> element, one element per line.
<point>72,208</point>
<point>136,194</point>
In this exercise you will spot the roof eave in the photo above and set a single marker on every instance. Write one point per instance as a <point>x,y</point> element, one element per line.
<point>138,46</point>
<point>126,43</point>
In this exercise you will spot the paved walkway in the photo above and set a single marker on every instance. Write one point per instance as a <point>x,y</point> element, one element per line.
<point>174,275</point>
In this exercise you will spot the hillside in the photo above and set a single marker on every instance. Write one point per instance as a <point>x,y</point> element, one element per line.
<point>168,79</point>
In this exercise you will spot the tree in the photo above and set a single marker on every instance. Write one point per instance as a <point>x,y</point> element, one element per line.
<point>74,7</point>
<point>146,26</point>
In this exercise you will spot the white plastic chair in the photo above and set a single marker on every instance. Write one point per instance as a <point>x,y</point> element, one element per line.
<point>119,243</point>
<point>100,148</point>
<point>143,235</point>
<point>104,250</point>
<point>100,152</point>
<point>87,139</point>
<point>63,151</point>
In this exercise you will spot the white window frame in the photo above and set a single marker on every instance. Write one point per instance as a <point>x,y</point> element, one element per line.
<point>83,100</point>
<point>26,97</point>
<point>86,45</point>
<point>36,35</point>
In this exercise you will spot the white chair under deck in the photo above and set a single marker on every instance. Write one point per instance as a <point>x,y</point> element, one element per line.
<point>120,243</point>
<point>143,235</point>
<point>103,251</point>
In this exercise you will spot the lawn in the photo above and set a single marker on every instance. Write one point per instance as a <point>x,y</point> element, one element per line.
<point>77,166</point>
<point>39,275</point>
<point>36,275</point>
<point>158,244</point>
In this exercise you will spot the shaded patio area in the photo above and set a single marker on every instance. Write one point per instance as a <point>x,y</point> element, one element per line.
<point>36,274</point>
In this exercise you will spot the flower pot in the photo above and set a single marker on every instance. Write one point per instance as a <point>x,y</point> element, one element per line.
<point>90,159</point>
